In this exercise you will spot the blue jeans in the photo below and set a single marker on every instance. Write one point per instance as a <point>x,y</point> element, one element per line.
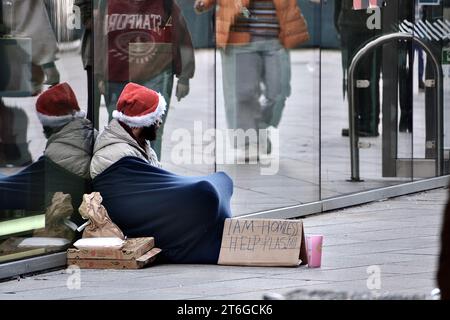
<point>260,68</point>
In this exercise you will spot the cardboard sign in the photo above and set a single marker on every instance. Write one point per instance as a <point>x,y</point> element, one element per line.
<point>133,249</point>
<point>263,242</point>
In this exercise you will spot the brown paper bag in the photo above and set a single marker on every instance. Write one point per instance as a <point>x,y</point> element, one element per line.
<point>56,217</point>
<point>100,225</point>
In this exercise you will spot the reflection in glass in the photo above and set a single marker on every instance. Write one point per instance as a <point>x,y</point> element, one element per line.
<point>44,155</point>
<point>145,42</point>
<point>265,102</point>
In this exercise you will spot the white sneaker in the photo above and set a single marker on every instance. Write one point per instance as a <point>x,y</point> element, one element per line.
<point>52,76</point>
<point>265,144</point>
<point>247,155</point>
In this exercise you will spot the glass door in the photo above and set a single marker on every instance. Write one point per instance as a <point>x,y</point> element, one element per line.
<point>395,94</point>
<point>45,140</point>
<point>268,104</point>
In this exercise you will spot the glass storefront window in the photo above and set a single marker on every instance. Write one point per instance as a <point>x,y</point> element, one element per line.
<point>268,91</point>
<point>45,142</point>
<point>395,96</point>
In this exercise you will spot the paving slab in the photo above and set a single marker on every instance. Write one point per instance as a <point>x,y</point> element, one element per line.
<point>404,246</point>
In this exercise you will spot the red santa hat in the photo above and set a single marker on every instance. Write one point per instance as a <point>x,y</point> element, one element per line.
<point>139,106</point>
<point>57,106</point>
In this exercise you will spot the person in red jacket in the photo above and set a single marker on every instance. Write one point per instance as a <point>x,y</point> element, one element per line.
<point>146,42</point>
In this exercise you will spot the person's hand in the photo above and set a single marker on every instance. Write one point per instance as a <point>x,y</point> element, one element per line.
<point>182,89</point>
<point>199,6</point>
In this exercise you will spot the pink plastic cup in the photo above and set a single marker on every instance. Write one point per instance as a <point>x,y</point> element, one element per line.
<point>314,247</point>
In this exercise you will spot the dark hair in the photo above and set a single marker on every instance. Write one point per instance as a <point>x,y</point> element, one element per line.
<point>150,133</point>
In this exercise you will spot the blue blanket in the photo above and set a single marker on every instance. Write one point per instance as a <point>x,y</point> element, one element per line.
<point>24,190</point>
<point>184,214</point>
<point>32,188</point>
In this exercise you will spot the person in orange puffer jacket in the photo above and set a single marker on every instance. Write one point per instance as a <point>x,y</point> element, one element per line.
<point>254,37</point>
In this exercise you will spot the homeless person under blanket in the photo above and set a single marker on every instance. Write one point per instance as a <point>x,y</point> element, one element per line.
<point>185,215</point>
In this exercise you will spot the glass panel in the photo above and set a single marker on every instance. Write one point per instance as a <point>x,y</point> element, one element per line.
<point>158,45</point>
<point>433,30</point>
<point>45,141</point>
<point>446,89</point>
<point>383,96</point>
<point>268,105</point>
<point>189,144</point>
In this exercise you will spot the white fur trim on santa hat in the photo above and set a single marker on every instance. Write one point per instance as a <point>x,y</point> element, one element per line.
<point>59,121</point>
<point>143,121</point>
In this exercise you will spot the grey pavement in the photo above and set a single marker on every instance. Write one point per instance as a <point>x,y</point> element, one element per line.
<point>400,236</point>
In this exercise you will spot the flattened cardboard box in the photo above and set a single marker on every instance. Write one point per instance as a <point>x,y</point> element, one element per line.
<point>263,242</point>
<point>132,250</point>
<point>138,263</point>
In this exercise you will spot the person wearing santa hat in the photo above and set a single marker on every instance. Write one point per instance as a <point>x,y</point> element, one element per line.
<point>70,136</point>
<point>135,123</point>
<point>145,42</point>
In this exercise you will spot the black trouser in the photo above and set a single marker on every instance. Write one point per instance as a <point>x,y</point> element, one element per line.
<point>367,100</point>
<point>93,106</point>
<point>406,58</point>
<point>4,65</point>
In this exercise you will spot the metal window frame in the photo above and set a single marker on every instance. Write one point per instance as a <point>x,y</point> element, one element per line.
<point>354,199</point>
<point>370,46</point>
<point>32,265</point>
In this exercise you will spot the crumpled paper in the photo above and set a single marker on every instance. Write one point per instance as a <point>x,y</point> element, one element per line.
<point>100,224</point>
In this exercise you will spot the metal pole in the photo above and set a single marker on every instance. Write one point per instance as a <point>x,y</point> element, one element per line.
<point>354,149</point>
<point>439,105</point>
